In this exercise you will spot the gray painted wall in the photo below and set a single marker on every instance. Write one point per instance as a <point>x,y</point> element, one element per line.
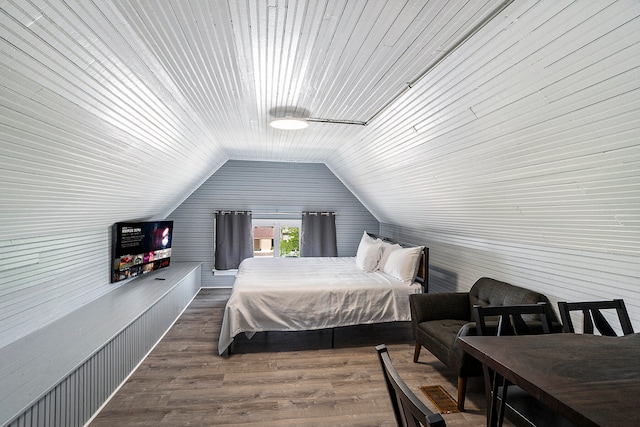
<point>265,187</point>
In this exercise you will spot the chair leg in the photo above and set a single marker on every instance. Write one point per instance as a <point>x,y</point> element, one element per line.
<point>503,402</point>
<point>495,408</point>
<point>488,393</point>
<point>462,392</point>
<point>416,352</point>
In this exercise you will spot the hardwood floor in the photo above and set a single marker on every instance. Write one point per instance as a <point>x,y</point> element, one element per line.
<point>275,379</point>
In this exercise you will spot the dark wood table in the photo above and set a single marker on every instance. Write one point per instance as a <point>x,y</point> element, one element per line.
<point>591,380</point>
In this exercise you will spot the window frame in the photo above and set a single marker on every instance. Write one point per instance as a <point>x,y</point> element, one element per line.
<point>277,224</point>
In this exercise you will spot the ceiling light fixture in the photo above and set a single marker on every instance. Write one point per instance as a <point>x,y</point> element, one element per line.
<point>289,123</point>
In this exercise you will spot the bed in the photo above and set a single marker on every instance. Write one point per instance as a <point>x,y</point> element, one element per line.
<point>299,294</point>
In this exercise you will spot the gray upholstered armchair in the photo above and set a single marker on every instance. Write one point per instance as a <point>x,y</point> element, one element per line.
<point>439,319</point>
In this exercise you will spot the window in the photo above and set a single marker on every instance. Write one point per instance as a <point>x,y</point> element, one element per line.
<point>276,237</point>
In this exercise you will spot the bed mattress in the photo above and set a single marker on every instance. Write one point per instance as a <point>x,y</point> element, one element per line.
<point>294,294</point>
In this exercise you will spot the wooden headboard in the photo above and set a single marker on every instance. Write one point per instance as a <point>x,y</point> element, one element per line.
<point>423,268</point>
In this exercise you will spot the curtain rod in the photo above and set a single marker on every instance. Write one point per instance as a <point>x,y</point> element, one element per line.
<point>294,213</point>
<point>275,213</point>
<point>223,212</point>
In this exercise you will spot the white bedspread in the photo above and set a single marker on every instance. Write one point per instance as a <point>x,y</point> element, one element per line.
<point>294,294</point>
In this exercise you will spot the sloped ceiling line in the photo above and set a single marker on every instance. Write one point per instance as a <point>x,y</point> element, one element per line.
<point>409,85</point>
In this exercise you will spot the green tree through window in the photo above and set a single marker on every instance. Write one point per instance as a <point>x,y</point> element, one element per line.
<point>290,242</point>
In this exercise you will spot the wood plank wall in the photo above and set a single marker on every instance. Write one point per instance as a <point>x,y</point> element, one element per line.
<point>265,187</point>
<point>525,140</point>
<point>45,277</point>
<point>456,262</point>
<point>528,133</point>
<point>524,152</point>
<point>84,143</point>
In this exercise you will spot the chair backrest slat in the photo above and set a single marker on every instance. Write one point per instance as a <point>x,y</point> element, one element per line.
<point>511,321</point>
<point>593,317</point>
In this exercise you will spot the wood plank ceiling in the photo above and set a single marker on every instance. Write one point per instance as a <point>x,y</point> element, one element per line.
<point>240,63</point>
<point>99,96</point>
<point>525,124</point>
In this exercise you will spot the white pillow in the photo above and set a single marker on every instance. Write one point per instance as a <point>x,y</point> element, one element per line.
<point>403,263</point>
<point>369,251</point>
<point>387,248</point>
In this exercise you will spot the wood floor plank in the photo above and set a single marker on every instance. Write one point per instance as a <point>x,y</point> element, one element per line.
<point>276,379</point>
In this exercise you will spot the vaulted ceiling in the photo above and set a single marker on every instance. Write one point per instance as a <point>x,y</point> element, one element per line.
<point>485,117</point>
<point>238,64</point>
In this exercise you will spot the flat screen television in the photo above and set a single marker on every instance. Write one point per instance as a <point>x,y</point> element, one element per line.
<point>140,248</point>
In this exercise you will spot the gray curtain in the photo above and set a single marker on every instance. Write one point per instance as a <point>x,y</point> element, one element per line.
<point>318,234</point>
<point>234,239</point>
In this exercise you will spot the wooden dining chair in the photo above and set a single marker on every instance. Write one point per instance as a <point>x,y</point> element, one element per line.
<point>593,319</point>
<point>407,408</point>
<point>520,407</point>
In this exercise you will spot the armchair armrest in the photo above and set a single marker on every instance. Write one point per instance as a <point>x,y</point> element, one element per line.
<point>425,307</point>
